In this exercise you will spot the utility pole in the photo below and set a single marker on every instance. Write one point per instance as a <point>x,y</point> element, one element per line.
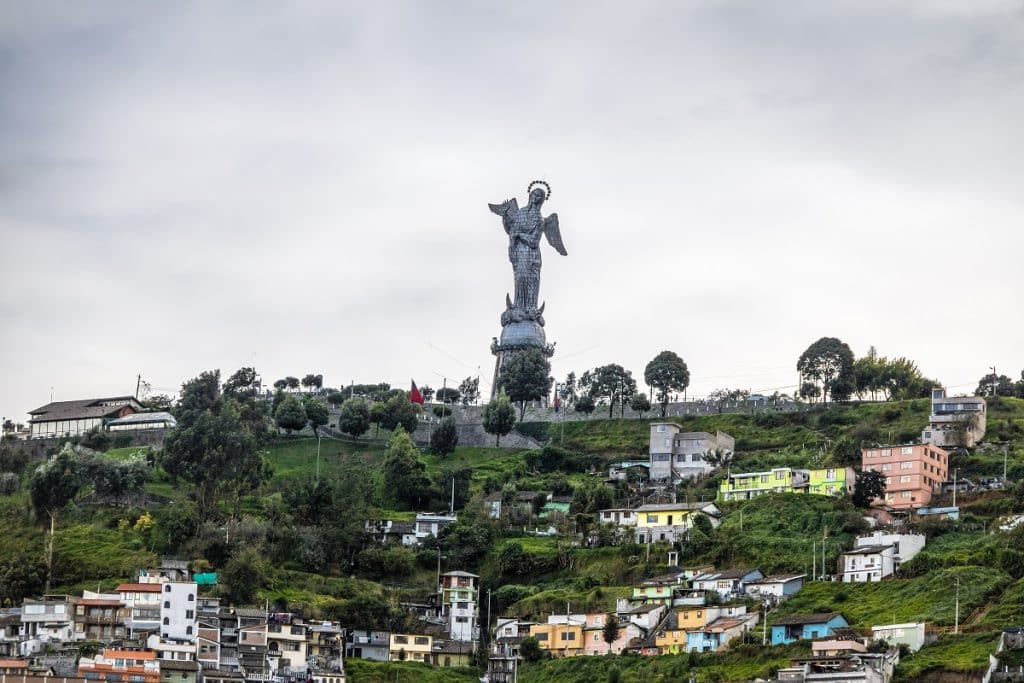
<point>814,560</point>
<point>956,470</point>
<point>956,613</point>
<point>138,383</point>
<point>995,379</point>
<point>1006,448</point>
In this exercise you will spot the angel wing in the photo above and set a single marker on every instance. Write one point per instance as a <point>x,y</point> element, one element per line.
<point>506,211</point>
<point>553,234</point>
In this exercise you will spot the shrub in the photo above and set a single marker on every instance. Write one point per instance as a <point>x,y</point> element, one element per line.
<point>9,483</point>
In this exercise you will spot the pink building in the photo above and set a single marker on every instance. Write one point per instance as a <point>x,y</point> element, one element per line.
<point>593,635</point>
<point>912,472</point>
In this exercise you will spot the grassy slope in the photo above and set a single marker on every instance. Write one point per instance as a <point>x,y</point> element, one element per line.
<point>364,671</point>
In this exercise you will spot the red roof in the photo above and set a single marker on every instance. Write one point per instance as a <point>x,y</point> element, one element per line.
<point>139,588</point>
<point>13,664</point>
<point>99,602</point>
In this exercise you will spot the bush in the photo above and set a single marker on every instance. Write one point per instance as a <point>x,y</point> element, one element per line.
<point>390,561</point>
<point>96,440</point>
<point>442,411</point>
<point>9,483</point>
<point>121,441</point>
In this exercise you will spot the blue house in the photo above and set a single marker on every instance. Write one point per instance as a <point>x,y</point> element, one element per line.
<point>806,627</point>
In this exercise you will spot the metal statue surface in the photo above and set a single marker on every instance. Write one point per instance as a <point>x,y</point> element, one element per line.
<point>524,227</point>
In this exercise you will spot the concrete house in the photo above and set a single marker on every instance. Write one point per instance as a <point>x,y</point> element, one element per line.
<point>913,635</point>
<point>955,421</point>
<point>913,472</point>
<point>716,635</point>
<point>776,588</point>
<point>670,521</point>
<point>806,627</point>
<point>879,555</point>
<point>677,455</point>
<point>44,622</point>
<point>178,610</point>
<point>75,418</point>
<point>728,583</point>
<point>375,645</point>
<point>618,516</point>
<point>459,596</point>
<point>749,485</point>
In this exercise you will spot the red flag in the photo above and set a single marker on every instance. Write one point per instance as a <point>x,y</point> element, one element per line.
<point>414,394</point>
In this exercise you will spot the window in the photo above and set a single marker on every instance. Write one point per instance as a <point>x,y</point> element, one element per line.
<point>461,620</point>
<point>167,621</point>
<point>189,614</point>
<point>167,604</point>
<point>779,476</point>
<point>191,597</point>
<point>904,494</point>
<point>402,640</point>
<point>422,640</point>
<point>652,519</point>
<point>541,637</point>
<point>830,473</point>
<point>886,467</point>
<point>462,605</point>
<point>188,630</point>
<point>886,452</point>
<point>568,635</point>
<point>905,479</point>
<point>907,465</point>
<point>167,588</point>
<point>906,450</point>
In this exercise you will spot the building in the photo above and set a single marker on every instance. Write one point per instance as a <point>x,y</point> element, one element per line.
<point>806,627</point>
<point>103,618</point>
<point>459,605</point>
<point>178,610</point>
<point>44,622</point>
<point>121,665</point>
<point>912,472</point>
<point>286,644</point>
<point>678,455</point>
<point>879,555</point>
<point>374,645</point>
<point>143,603</point>
<point>831,481</point>
<point>717,634</point>
<point>658,589</point>
<point>392,531</point>
<point>618,516</point>
<point>562,635</point>
<point>171,650</point>
<point>175,671</point>
<point>752,484</point>
<point>670,636</point>
<point>407,647</point>
<point>142,421</point>
<point>431,523</point>
<point>325,646</point>
<point>75,418</point>
<point>670,521</point>
<point>775,588</point>
<point>10,625</point>
<point>728,583</point>
<point>914,636</point>
<point>955,421</point>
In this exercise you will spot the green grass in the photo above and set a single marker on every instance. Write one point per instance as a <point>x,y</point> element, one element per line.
<point>1008,609</point>
<point>926,598</point>
<point>966,652</point>
<point>365,671</point>
<point>127,453</point>
<point>87,552</point>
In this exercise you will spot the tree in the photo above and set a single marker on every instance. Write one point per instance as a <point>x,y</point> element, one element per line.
<point>668,374</point>
<point>405,476</point>
<point>198,394</point>
<point>292,383</point>
<point>611,383</point>
<point>585,404</point>
<point>526,376</point>
<point>54,484</point>
<point>281,384</point>
<point>378,414</point>
<point>530,650</point>
<point>610,632</point>
<point>312,382</point>
<point>428,393</point>
<point>996,385</point>
<point>290,415</point>
<point>316,413</point>
<point>640,404</point>
<point>470,390</point>
<point>399,411</point>
<point>354,418</point>
<point>21,577</point>
<point>869,486</point>
<point>499,417</point>
<point>242,384</point>
<point>158,402</point>
<point>568,390</point>
<point>448,395</point>
<point>243,575</point>
<point>828,363</point>
<point>445,438</point>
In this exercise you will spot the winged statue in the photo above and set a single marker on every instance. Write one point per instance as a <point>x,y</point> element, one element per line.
<point>524,227</point>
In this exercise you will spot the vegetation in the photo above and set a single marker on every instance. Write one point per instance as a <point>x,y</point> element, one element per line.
<point>667,374</point>
<point>499,417</point>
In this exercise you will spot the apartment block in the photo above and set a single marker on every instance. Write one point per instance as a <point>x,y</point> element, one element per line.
<point>912,472</point>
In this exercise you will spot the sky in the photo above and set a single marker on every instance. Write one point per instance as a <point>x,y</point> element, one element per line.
<point>303,187</point>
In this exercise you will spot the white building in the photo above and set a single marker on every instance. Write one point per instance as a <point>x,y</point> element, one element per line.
<point>141,421</point>
<point>75,418</point>
<point>618,516</point>
<point>178,611</point>
<point>459,604</point>
<point>431,523</point>
<point>955,421</point>
<point>914,636</point>
<point>676,454</point>
<point>879,555</point>
<point>44,622</point>
<point>286,643</point>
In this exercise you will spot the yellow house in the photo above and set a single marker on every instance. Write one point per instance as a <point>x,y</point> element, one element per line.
<point>411,648</point>
<point>672,639</point>
<point>560,639</point>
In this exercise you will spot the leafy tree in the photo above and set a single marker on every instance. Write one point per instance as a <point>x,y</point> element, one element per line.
<point>12,459</point>
<point>312,382</point>
<point>470,390</point>
<point>846,452</point>
<point>400,412</point>
<point>281,384</point>
<point>378,414</point>
<point>441,411</point>
<point>810,391</point>
<point>996,385</point>
<point>243,576</point>
<point>290,415</point>
<point>640,404</point>
<point>568,389</point>
<point>198,394</point>
<point>21,577</point>
<point>242,383</point>
<point>499,417</point>
<point>354,418</point>
<point>530,650</point>
<point>405,476</point>
<point>336,398</point>
<point>526,376</point>
<point>54,484</point>
<point>292,383</point>
<point>158,402</point>
<point>8,426</point>
<point>828,363</point>
<point>316,413</point>
<point>585,404</point>
<point>610,632</point>
<point>869,486</point>
<point>611,383</point>
<point>428,393</point>
<point>447,395</point>
<point>668,374</point>
<point>96,440</point>
<point>445,438</point>
<point>214,452</point>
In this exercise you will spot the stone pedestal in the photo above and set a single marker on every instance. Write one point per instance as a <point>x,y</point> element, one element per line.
<point>517,335</point>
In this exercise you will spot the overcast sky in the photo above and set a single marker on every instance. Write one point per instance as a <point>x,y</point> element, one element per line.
<point>304,186</point>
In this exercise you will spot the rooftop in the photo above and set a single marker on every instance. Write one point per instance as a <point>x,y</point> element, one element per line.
<point>81,409</point>
<point>139,588</point>
<point>798,619</point>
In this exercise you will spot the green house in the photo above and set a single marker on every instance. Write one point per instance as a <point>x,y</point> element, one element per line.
<point>831,481</point>
<point>752,484</point>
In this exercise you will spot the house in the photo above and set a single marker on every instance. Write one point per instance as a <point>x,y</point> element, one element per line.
<point>837,647</point>
<point>178,610</point>
<point>118,665</point>
<point>13,667</point>
<point>102,617</point>
<point>913,635</point>
<point>671,633</point>
<point>408,647</point>
<point>593,636</point>
<point>659,589</point>
<point>670,521</point>
<point>449,653</point>
<point>143,603</point>
<point>879,555</point>
<point>286,643</point>
<point>431,523</point>
<point>458,591</point>
<point>618,516</point>
<point>75,418</point>
<point>675,454</point>
<point>912,472</point>
<point>555,504</point>
<point>44,622</point>
<point>851,667</point>
<point>645,616</point>
<point>171,650</point>
<point>176,671</point>
<point>392,531</point>
<point>831,481</point>
<point>728,583</point>
<point>325,646</point>
<point>10,625</point>
<point>955,421</point>
<point>752,484</point>
<point>248,651</point>
<point>717,634</point>
<point>142,421</point>
<point>375,645</point>
<point>562,635</point>
<point>775,588</point>
<point>806,627</point>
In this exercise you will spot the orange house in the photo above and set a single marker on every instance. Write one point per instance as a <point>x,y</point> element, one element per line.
<point>137,666</point>
<point>912,472</point>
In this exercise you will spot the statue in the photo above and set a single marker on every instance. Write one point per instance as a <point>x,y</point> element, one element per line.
<point>524,228</point>
<point>522,322</point>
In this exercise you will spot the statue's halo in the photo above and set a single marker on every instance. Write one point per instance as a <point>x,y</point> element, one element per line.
<point>547,188</point>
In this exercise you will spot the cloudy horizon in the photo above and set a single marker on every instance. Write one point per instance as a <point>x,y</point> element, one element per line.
<point>304,188</point>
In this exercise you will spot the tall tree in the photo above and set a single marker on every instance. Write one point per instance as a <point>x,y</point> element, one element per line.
<point>354,418</point>
<point>828,362</point>
<point>316,413</point>
<point>470,390</point>
<point>281,384</point>
<point>448,395</point>
<point>499,417</point>
<point>400,411</point>
<point>290,414</point>
<point>405,476</point>
<point>54,484</point>
<point>312,382</point>
<point>868,486</point>
<point>198,394</point>
<point>641,404</point>
<point>612,383</point>
<point>610,632</point>
<point>526,376</point>
<point>585,404</point>
<point>158,402</point>
<point>428,393</point>
<point>667,374</point>
<point>445,438</point>
<point>292,383</point>
<point>242,383</point>
<point>996,385</point>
